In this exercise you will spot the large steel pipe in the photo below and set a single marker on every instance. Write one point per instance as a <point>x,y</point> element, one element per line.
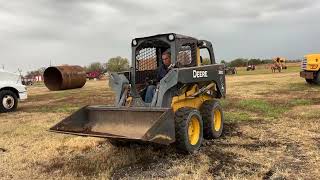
<point>64,77</point>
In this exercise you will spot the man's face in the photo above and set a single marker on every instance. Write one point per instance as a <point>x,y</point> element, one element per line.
<point>166,59</point>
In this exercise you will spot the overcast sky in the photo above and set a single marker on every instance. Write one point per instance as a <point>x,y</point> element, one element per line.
<point>35,32</point>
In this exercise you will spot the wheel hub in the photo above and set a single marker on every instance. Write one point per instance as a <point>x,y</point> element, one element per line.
<point>8,102</point>
<point>194,131</point>
<point>217,120</point>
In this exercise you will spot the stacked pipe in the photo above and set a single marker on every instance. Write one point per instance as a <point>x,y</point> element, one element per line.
<point>64,77</point>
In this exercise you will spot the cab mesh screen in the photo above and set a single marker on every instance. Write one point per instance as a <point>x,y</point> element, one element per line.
<point>146,59</point>
<point>184,56</point>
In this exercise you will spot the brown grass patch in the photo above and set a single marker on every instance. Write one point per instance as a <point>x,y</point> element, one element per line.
<point>272,132</point>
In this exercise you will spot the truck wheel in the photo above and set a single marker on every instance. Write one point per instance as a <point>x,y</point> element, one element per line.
<point>8,101</point>
<point>213,119</point>
<point>309,81</point>
<point>189,129</point>
<point>317,79</point>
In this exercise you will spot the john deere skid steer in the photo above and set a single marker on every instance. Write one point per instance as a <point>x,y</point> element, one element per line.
<point>184,108</point>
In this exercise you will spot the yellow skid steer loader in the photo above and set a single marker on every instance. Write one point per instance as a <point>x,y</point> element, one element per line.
<point>184,107</point>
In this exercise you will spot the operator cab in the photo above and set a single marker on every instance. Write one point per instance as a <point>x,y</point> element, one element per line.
<point>147,56</point>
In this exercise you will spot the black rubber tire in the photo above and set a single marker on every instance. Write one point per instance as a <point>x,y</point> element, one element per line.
<point>119,142</point>
<point>309,81</point>
<point>316,80</point>
<point>207,109</point>
<point>182,118</point>
<point>4,93</point>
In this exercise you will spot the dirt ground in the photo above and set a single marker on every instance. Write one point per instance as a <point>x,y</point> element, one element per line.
<point>272,131</point>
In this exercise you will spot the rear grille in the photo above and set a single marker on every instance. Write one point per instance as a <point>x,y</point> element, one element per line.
<point>304,64</point>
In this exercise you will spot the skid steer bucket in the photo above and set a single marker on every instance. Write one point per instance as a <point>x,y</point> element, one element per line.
<point>136,123</point>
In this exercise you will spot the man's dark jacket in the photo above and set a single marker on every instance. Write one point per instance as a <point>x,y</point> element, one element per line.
<point>161,72</point>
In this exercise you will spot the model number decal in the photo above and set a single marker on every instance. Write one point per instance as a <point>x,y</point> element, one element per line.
<point>199,74</point>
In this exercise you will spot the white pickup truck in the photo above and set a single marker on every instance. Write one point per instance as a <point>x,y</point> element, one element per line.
<point>11,90</point>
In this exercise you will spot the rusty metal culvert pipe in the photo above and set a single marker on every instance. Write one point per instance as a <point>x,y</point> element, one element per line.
<point>64,77</point>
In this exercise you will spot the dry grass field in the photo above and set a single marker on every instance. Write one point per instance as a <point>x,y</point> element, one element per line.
<point>272,131</point>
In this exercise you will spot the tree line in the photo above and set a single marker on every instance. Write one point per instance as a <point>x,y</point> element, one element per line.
<point>115,64</point>
<point>118,64</point>
<point>242,62</point>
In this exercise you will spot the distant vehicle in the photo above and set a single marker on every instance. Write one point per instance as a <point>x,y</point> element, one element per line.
<point>280,61</point>
<point>310,66</point>
<point>275,66</point>
<point>251,67</point>
<point>27,81</point>
<point>11,90</point>
<point>94,75</point>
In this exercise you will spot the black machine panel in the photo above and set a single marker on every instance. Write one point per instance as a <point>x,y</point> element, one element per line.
<point>214,72</point>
